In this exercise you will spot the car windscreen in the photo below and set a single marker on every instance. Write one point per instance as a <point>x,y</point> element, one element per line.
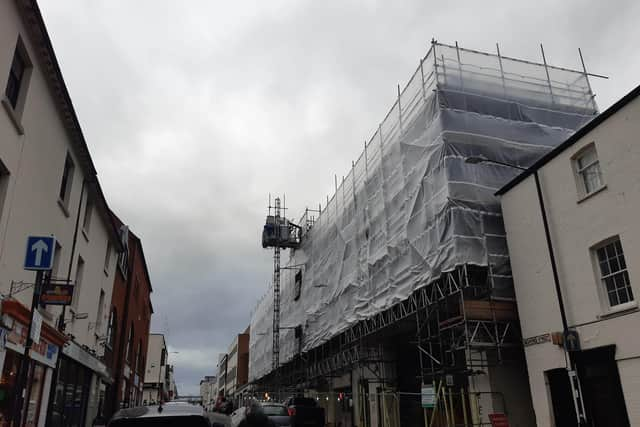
<point>177,421</point>
<point>273,410</point>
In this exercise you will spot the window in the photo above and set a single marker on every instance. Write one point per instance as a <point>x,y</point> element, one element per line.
<point>613,273</point>
<point>297,285</point>
<point>139,357</point>
<point>130,345</point>
<point>107,259</point>
<point>67,178</point>
<point>100,312</point>
<point>18,76</point>
<point>55,268</point>
<point>587,167</point>
<point>78,285</point>
<point>4,184</point>
<point>123,257</point>
<point>112,328</point>
<point>88,210</point>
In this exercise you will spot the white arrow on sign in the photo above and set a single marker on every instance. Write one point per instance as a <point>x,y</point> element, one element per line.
<point>39,247</point>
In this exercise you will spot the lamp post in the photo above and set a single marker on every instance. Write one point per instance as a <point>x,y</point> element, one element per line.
<point>573,374</point>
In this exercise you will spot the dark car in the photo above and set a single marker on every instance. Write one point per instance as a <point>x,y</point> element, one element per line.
<point>304,411</point>
<point>277,413</point>
<point>176,415</point>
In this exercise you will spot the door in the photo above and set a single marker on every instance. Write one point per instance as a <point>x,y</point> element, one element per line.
<point>564,413</point>
<point>600,380</point>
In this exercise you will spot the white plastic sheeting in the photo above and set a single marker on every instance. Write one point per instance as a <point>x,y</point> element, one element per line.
<point>411,207</point>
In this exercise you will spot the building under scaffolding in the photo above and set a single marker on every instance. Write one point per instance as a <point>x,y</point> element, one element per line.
<point>403,281</point>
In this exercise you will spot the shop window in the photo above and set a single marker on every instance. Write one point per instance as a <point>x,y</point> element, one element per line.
<point>34,394</point>
<point>8,383</point>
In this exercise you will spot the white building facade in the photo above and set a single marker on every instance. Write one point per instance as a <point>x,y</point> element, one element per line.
<point>590,187</point>
<point>49,186</point>
<point>155,378</point>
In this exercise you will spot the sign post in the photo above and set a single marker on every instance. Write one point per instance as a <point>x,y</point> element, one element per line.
<point>39,258</point>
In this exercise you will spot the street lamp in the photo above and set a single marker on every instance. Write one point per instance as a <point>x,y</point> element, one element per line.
<point>573,374</point>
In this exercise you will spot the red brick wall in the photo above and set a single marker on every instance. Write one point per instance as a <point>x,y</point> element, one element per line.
<point>131,299</point>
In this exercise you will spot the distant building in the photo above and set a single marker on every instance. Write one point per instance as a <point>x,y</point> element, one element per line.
<point>590,186</point>
<point>156,379</point>
<point>209,391</point>
<point>128,323</point>
<point>233,368</point>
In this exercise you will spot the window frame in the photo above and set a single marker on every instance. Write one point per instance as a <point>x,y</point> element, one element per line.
<point>107,257</point>
<point>77,285</point>
<point>601,276</point>
<point>14,104</point>
<point>579,170</point>
<point>112,327</point>
<point>66,183</point>
<point>88,214</point>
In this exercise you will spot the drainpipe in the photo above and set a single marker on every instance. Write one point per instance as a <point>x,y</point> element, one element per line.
<point>61,324</point>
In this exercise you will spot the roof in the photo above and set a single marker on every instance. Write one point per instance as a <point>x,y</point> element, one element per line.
<point>119,223</point>
<point>594,123</point>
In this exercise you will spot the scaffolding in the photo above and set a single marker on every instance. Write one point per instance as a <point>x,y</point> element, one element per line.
<point>412,243</point>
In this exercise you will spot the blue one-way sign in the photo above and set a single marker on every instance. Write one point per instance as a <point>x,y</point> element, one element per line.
<point>40,252</point>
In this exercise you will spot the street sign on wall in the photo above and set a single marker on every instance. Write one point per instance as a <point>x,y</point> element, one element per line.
<point>498,420</point>
<point>36,327</point>
<point>428,396</point>
<point>40,253</point>
<point>54,294</point>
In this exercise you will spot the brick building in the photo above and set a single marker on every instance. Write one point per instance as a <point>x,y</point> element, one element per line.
<point>129,321</point>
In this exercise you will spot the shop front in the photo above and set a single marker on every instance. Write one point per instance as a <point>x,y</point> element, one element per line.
<point>40,366</point>
<point>79,385</point>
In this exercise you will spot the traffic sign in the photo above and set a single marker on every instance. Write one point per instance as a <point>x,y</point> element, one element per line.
<point>40,253</point>
<point>571,340</point>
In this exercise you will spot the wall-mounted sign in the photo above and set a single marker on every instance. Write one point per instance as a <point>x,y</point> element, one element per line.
<point>53,294</point>
<point>428,396</point>
<point>538,339</point>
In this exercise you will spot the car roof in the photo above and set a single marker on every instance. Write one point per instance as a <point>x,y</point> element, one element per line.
<point>155,411</point>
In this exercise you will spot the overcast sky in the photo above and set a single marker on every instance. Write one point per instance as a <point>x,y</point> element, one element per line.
<point>194,111</point>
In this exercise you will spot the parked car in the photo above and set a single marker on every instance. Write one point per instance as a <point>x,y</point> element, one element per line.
<point>173,415</point>
<point>278,413</point>
<point>304,411</point>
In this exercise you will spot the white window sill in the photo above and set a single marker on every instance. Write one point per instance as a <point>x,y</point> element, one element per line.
<point>620,309</point>
<point>12,115</point>
<point>65,211</point>
<point>593,193</point>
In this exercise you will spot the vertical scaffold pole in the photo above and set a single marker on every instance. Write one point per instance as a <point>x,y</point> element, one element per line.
<point>276,291</point>
<point>546,69</point>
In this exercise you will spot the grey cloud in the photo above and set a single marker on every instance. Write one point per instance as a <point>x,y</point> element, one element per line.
<point>195,111</point>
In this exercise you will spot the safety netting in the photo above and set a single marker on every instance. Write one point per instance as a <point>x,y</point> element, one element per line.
<point>412,206</point>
